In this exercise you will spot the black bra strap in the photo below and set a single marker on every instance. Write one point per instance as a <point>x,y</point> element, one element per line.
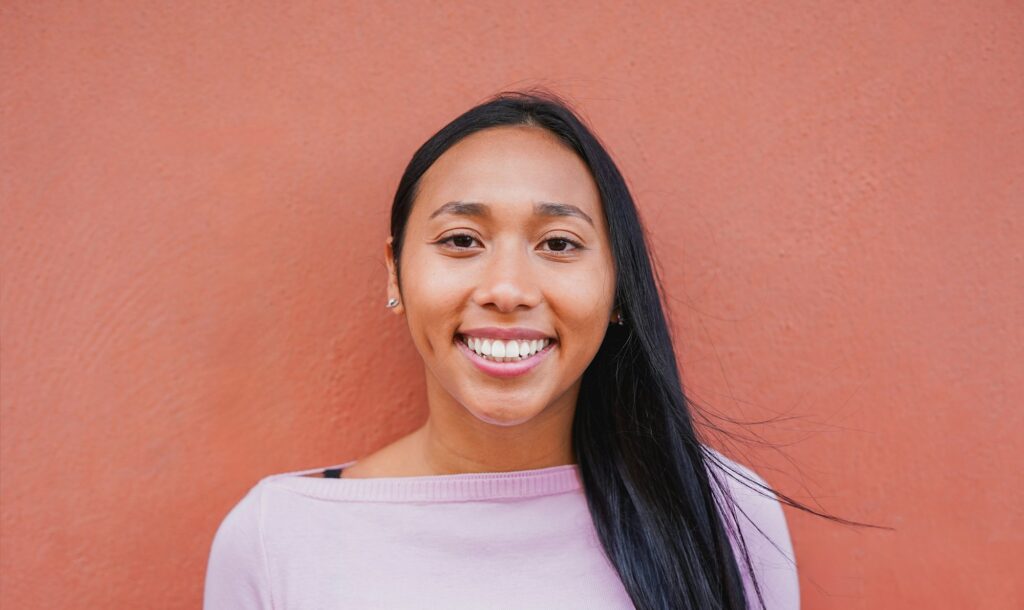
<point>332,473</point>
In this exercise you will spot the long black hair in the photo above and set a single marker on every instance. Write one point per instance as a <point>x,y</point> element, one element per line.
<point>660,513</point>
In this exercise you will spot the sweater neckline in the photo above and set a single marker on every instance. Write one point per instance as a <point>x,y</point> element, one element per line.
<point>433,488</point>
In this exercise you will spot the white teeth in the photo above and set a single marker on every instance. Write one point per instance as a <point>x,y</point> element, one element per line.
<point>506,351</point>
<point>498,349</point>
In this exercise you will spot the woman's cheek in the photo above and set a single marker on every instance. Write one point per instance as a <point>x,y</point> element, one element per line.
<point>585,295</point>
<point>438,279</point>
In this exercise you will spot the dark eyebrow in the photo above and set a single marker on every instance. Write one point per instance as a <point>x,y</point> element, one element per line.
<point>461,208</point>
<point>544,208</point>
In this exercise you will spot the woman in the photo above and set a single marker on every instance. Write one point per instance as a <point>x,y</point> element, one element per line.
<point>559,466</point>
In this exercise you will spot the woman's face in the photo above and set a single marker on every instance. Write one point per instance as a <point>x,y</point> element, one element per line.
<point>506,247</point>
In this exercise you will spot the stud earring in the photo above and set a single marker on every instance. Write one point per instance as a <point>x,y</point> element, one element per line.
<point>392,302</point>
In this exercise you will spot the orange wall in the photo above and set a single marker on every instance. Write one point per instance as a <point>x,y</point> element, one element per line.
<point>195,201</point>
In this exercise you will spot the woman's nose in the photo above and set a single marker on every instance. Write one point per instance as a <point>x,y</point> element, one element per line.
<point>508,281</point>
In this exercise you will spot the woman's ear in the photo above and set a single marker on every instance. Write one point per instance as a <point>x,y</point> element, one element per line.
<point>394,292</point>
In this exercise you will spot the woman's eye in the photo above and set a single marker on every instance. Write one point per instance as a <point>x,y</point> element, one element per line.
<point>464,241</point>
<point>561,244</point>
<point>459,240</point>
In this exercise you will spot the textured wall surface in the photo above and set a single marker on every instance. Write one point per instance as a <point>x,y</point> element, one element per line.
<point>195,200</point>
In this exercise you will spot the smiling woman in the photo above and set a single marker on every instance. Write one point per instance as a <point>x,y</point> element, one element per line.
<point>558,466</point>
<point>500,246</point>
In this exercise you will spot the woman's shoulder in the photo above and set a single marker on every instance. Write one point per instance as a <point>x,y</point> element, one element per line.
<point>244,522</point>
<point>748,489</point>
<point>236,572</point>
<point>754,519</point>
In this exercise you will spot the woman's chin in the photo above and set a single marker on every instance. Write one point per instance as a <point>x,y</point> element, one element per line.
<point>504,416</point>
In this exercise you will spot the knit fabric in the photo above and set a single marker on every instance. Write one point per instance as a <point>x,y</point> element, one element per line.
<point>522,539</point>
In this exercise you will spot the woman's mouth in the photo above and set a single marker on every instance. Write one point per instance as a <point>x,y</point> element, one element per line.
<point>504,358</point>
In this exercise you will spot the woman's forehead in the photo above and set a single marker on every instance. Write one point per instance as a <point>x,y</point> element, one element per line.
<point>512,169</point>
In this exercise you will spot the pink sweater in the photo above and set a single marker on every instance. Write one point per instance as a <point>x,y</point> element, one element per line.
<point>520,539</point>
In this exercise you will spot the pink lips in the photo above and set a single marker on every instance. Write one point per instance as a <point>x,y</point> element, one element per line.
<point>504,369</point>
